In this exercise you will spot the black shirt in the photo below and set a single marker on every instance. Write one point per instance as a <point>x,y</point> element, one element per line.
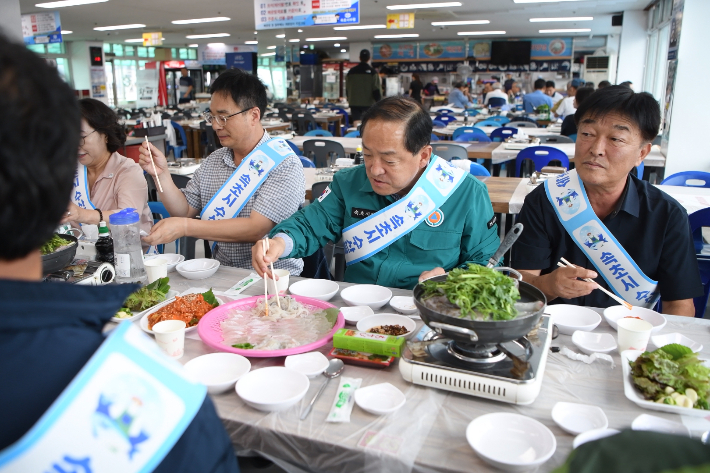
<point>569,127</point>
<point>651,226</point>
<point>416,87</point>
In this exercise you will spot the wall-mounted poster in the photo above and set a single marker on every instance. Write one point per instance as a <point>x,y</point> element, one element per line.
<point>41,28</point>
<point>442,50</point>
<point>540,49</point>
<point>299,13</point>
<point>393,51</point>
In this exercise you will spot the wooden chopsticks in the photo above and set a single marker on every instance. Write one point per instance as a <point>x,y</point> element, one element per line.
<point>609,293</point>
<point>150,153</point>
<point>265,246</point>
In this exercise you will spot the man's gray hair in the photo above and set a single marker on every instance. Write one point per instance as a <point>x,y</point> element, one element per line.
<point>497,86</point>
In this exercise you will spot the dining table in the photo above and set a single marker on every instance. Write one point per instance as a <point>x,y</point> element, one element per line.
<point>427,434</point>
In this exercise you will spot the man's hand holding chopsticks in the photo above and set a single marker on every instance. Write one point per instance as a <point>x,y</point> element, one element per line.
<point>161,163</point>
<point>260,261</point>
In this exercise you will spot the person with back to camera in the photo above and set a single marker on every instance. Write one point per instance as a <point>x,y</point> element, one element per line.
<point>569,126</point>
<point>362,85</point>
<point>121,409</point>
<point>534,99</point>
<point>415,88</point>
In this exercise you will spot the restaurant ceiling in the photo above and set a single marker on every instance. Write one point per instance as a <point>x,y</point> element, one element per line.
<point>157,15</point>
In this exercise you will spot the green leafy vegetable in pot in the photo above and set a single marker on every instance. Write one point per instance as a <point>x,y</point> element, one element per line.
<point>148,296</point>
<point>54,244</point>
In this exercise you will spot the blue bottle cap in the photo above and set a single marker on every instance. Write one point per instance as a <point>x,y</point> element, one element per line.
<point>124,217</point>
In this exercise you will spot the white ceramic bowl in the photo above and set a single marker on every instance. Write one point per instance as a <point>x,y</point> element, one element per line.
<point>569,318</point>
<point>172,259</point>
<point>590,342</point>
<point>188,273</point>
<point>379,399</point>
<point>311,364</point>
<point>578,418</point>
<point>590,435</point>
<point>354,314</point>
<point>366,294</point>
<point>668,338</point>
<point>218,371</point>
<point>387,319</point>
<point>199,264</point>
<point>659,424</point>
<point>404,305</point>
<point>274,388</point>
<point>511,442</point>
<point>614,313</point>
<point>320,289</point>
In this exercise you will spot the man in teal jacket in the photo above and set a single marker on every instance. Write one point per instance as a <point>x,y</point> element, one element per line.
<point>395,137</point>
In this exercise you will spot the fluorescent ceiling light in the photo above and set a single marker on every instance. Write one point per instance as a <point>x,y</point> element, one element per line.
<point>412,6</point>
<point>193,45</point>
<point>213,35</point>
<point>343,50</point>
<point>359,27</point>
<point>67,3</point>
<point>67,32</point>
<point>392,36</point>
<point>268,54</point>
<point>303,52</point>
<point>200,20</point>
<point>271,47</point>
<point>456,23</point>
<point>300,31</point>
<point>119,27</point>
<point>478,33</point>
<point>215,45</point>
<point>567,30</point>
<point>294,40</point>
<point>280,35</point>
<point>328,38</point>
<point>567,18</point>
<point>251,42</point>
<point>135,40</point>
<point>336,45</point>
<point>543,1</point>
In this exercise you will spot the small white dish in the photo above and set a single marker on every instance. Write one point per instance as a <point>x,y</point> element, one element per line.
<point>199,264</point>
<point>321,289</point>
<point>404,305</point>
<point>311,364</point>
<point>569,318</point>
<point>576,418</point>
<point>662,340</point>
<point>387,319</point>
<point>172,259</point>
<point>366,294</point>
<point>196,274</point>
<point>274,388</point>
<point>218,371</point>
<point>590,342</point>
<point>614,313</point>
<point>590,435</point>
<point>511,442</point>
<point>659,424</point>
<point>356,313</point>
<point>379,399</point>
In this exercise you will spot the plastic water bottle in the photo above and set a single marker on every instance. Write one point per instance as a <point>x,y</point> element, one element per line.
<point>125,228</point>
<point>465,116</point>
<point>358,155</point>
<point>104,245</point>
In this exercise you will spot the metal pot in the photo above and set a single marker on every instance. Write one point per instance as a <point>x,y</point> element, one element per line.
<point>467,331</point>
<point>60,259</point>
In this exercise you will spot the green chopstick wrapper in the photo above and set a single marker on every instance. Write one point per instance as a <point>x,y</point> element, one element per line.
<point>368,342</point>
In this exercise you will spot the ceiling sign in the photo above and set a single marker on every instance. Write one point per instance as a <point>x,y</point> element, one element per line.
<point>298,13</point>
<point>41,28</point>
<point>400,20</point>
<point>152,39</point>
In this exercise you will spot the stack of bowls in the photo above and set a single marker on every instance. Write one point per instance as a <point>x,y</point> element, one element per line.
<point>200,268</point>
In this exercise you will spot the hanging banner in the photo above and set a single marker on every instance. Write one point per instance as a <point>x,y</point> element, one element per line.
<point>391,51</point>
<point>442,50</point>
<point>152,39</point>
<point>214,53</point>
<point>398,21</point>
<point>243,61</point>
<point>41,28</point>
<point>147,87</point>
<point>270,14</point>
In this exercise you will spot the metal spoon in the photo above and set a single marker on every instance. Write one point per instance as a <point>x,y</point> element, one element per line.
<point>335,367</point>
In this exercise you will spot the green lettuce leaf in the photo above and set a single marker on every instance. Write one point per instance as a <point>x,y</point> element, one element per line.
<point>210,298</point>
<point>676,350</point>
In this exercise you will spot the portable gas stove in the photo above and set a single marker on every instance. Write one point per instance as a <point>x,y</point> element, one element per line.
<point>501,372</point>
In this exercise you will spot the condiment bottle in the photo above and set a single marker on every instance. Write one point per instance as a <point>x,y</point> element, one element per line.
<point>125,228</point>
<point>358,155</point>
<point>104,245</point>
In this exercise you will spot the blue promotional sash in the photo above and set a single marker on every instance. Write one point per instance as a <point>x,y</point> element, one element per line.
<point>569,199</point>
<point>229,200</point>
<point>378,231</point>
<point>123,412</point>
<point>80,194</point>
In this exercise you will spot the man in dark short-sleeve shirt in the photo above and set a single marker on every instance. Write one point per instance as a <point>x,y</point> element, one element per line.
<point>616,127</point>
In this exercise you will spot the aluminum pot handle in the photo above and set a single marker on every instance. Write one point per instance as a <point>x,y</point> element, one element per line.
<point>439,327</point>
<point>515,273</point>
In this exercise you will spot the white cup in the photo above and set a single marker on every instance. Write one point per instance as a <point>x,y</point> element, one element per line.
<point>633,334</point>
<point>170,337</point>
<point>281,284</point>
<point>156,268</point>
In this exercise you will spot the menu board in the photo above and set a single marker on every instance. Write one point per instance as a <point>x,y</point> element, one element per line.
<point>442,50</point>
<point>41,28</point>
<point>540,49</point>
<point>270,14</point>
<point>393,51</point>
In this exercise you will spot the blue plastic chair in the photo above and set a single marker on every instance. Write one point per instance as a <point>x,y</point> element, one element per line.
<point>697,221</point>
<point>294,147</point>
<point>467,129</point>
<point>639,170</point>
<point>541,157</point>
<point>438,124</point>
<point>500,134</point>
<point>472,112</point>
<point>159,208</point>
<point>479,170</point>
<point>446,118</point>
<point>573,137</point>
<point>500,119</point>
<point>346,119</point>
<point>307,163</point>
<point>682,178</point>
<point>468,137</point>
<point>318,133</point>
<point>444,111</point>
<point>434,138</point>
<point>177,150</point>
<point>497,102</point>
<point>488,122</point>
<point>353,134</point>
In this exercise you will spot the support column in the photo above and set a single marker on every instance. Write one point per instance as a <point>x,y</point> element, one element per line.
<point>632,48</point>
<point>10,19</point>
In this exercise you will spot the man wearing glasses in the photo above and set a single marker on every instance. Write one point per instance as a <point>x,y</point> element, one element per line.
<point>268,190</point>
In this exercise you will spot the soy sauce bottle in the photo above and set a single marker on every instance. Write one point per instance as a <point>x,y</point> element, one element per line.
<point>358,156</point>
<point>104,245</point>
